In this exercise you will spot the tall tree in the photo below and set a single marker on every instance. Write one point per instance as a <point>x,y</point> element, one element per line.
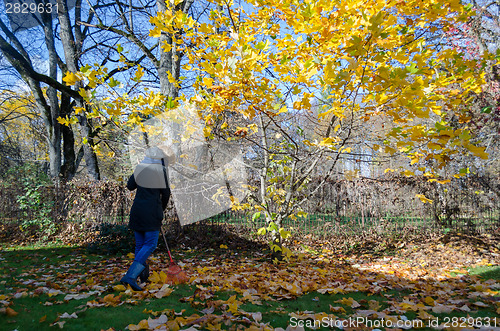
<point>53,98</point>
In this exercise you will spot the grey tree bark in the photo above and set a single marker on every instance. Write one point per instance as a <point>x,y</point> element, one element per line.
<point>72,51</point>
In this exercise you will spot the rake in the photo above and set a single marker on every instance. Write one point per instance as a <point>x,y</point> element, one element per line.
<point>175,274</point>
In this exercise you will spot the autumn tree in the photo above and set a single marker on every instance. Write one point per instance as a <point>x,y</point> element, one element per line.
<point>21,131</point>
<point>53,97</point>
<point>267,61</point>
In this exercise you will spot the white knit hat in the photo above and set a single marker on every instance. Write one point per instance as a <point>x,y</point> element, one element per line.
<point>161,152</point>
<point>155,153</point>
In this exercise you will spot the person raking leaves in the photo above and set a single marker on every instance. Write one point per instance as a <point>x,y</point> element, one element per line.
<point>146,215</point>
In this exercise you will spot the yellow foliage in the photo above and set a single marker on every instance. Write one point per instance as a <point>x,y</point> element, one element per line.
<point>423,198</point>
<point>71,78</point>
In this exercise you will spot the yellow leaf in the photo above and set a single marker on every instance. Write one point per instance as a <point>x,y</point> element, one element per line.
<point>425,315</point>
<point>83,93</point>
<point>478,151</point>
<point>143,325</point>
<point>111,300</point>
<point>285,234</point>
<point>337,309</point>
<point>119,288</point>
<point>408,306</point>
<point>154,278</point>
<point>282,110</point>
<point>155,32</point>
<point>423,198</point>
<point>233,307</point>
<point>349,302</point>
<point>345,150</point>
<point>408,173</point>
<point>389,150</point>
<point>223,246</point>
<point>173,325</point>
<point>434,146</point>
<point>208,82</point>
<point>327,142</point>
<point>138,74</point>
<point>163,277</point>
<point>71,78</point>
<point>67,121</point>
<point>429,301</point>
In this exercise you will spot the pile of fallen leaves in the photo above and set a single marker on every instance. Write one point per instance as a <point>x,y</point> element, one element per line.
<point>453,250</point>
<point>420,273</point>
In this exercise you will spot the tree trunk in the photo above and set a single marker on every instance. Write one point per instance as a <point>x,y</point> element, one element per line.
<point>170,62</point>
<point>69,166</point>
<point>72,52</point>
<point>52,92</point>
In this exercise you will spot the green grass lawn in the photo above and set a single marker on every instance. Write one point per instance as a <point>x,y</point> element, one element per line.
<point>228,289</point>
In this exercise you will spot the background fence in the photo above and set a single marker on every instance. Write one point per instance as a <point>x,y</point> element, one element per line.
<point>323,225</point>
<point>340,207</point>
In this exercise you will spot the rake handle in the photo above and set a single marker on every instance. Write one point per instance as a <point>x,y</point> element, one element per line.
<point>168,249</point>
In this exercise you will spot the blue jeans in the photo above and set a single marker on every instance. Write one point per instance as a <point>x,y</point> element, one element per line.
<point>145,244</point>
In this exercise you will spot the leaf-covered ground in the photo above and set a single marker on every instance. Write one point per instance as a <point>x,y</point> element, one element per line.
<point>431,285</point>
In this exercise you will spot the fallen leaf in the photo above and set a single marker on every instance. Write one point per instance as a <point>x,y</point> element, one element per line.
<point>425,315</point>
<point>119,288</point>
<point>112,300</point>
<point>143,325</point>
<point>59,324</point>
<point>374,305</point>
<point>10,312</point>
<point>66,315</point>
<point>257,317</point>
<point>465,308</point>
<point>207,311</point>
<point>154,323</point>
<point>442,309</point>
<point>349,302</point>
<point>154,277</point>
<point>480,304</point>
<point>337,309</point>
<point>163,292</point>
<point>430,301</point>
